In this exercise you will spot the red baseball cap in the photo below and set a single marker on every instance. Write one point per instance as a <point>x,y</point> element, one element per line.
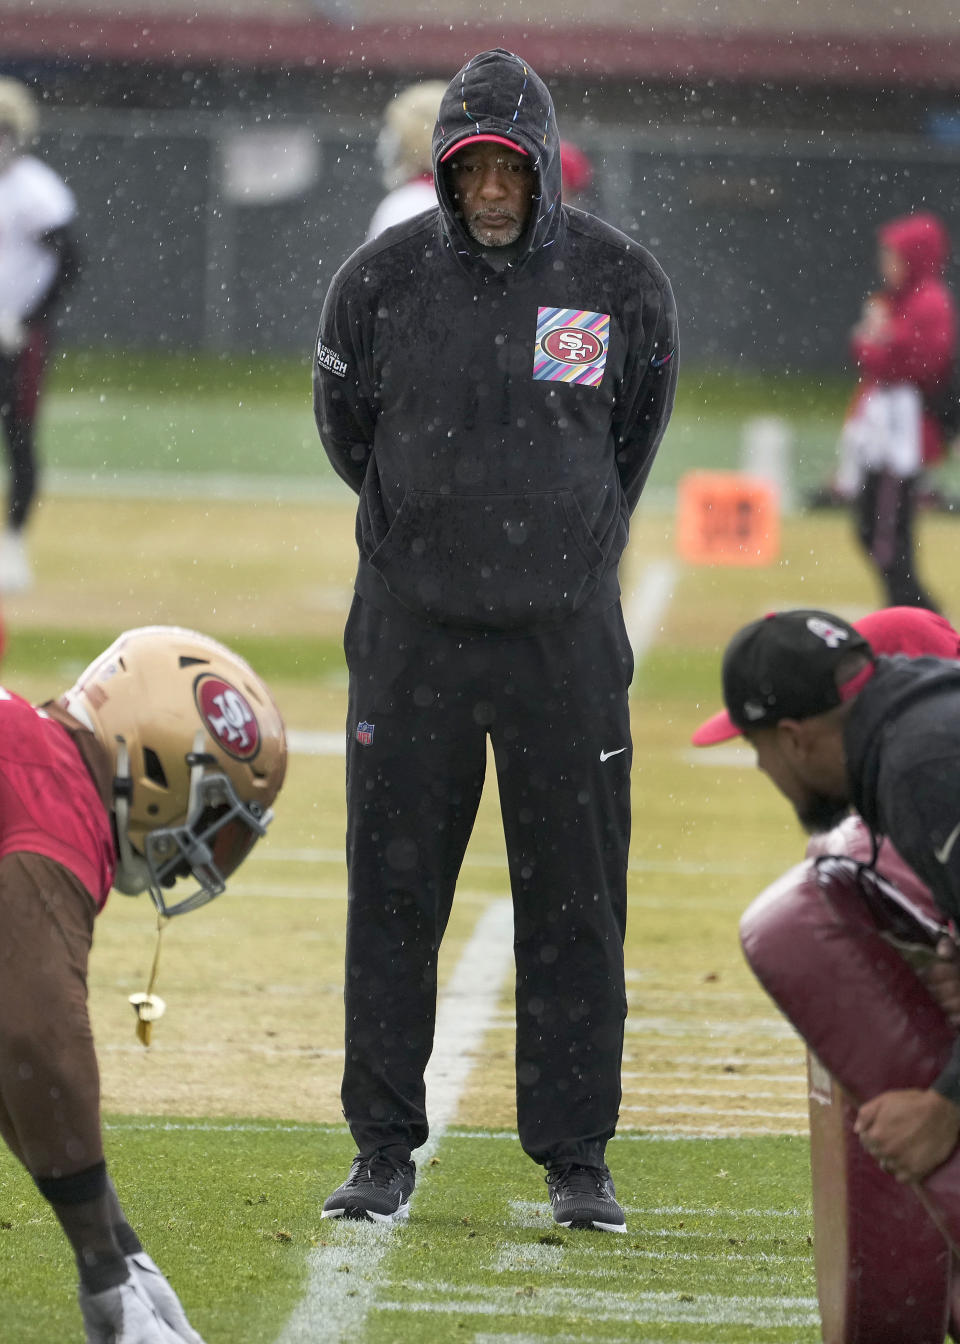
<point>466,141</point>
<point>913,631</point>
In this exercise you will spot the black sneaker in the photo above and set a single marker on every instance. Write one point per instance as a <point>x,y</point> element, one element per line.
<point>584,1197</point>
<point>377,1190</point>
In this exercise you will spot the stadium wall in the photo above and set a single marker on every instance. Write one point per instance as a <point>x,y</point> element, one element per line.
<point>223,157</point>
<point>211,232</point>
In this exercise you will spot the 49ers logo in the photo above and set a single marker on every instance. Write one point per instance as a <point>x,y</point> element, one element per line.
<point>228,717</point>
<point>573,345</point>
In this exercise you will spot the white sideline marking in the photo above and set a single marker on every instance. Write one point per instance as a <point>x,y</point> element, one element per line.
<point>307,742</point>
<point>737,758</point>
<point>644,607</point>
<point>342,1277</point>
<point>671,867</point>
<point>191,485</point>
<point>529,1214</point>
<point>598,1305</point>
<point>653,1134</point>
<point>668,1026</point>
<point>484,1337</point>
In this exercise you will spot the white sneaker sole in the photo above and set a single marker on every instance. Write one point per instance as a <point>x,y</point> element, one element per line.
<point>401,1215</point>
<point>582,1224</point>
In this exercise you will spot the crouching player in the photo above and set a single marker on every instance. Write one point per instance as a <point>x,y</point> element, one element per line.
<point>159,767</point>
<point>855,951</point>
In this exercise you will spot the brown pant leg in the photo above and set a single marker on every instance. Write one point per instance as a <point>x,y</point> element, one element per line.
<point>49,1079</point>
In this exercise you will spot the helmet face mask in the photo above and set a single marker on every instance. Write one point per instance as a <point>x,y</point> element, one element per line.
<point>218,834</point>
<point>199,755</point>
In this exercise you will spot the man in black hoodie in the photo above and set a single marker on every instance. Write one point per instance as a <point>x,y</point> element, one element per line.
<point>835,727</point>
<point>493,378</point>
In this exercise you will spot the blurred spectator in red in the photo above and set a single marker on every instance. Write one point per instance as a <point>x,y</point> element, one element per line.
<point>904,346</point>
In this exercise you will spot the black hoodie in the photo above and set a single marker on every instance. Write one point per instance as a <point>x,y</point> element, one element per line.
<point>498,423</point>
<point>902,745</point>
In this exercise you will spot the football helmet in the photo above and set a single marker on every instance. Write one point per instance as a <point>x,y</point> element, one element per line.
<point>18,118</point>
<point>404,146</point>
<point>198,751</point>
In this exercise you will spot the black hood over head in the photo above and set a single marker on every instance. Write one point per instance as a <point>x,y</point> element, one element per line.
<point>498,93</point>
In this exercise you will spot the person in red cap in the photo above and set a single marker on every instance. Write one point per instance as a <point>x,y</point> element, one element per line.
<point>493,380</point>
<point>836,726</point>
<point>913,631</point>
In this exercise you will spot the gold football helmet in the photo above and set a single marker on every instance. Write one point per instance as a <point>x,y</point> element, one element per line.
<point>199,754</point>
<point>404,146</point>
<point>18,118</point>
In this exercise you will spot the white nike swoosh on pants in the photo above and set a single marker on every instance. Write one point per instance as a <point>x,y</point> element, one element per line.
<point>605,755</point>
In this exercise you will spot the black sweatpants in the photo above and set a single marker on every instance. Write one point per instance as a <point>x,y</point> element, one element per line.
<point>884,513</point>
<point>423,700</point>
<point>20,384</point>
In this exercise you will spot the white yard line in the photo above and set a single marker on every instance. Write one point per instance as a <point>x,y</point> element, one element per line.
<point>641,1308</point>
<point>342,1276</point>
<point>308,742</point>
<point>646,604</point>
<point>192,485</point>
<point>479,859</point>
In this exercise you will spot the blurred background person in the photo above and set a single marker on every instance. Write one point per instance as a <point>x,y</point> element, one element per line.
<point>38,261</point>
<point>576,172</point>
<point>904,346</point>
<point>405,155</point>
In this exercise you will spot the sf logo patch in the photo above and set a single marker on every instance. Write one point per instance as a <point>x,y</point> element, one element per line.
<point>571,346</point>
<point>227,717</point>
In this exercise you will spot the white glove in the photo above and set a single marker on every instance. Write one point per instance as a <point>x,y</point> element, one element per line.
<point>165,1301</point>
<point>13,335</point>
<point>123,1315</point>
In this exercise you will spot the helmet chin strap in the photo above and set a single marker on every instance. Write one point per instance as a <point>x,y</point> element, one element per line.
<point>133,876</point>
<point>133,872</point>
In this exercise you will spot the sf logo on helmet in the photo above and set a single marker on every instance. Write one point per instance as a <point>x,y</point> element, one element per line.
<point>228,717</point>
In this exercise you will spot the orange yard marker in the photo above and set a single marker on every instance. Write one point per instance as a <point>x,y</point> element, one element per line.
<point>727,518</point>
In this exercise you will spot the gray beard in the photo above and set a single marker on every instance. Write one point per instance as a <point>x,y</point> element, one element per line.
<point>480,235</point>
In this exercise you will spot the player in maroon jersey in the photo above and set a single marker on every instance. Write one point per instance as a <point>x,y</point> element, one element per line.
<point>159,766</point>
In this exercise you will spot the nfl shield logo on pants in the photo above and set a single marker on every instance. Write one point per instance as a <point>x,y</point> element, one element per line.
<point>364,733</point>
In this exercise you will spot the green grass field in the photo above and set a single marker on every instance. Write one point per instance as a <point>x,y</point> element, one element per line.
<point>197,494</point>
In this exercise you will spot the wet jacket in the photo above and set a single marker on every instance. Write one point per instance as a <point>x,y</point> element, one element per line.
<point>498,424</point>
<point>902,742</point>
<point>922,341</point>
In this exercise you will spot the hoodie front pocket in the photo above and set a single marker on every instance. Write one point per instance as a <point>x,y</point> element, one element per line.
<point>504,562</point>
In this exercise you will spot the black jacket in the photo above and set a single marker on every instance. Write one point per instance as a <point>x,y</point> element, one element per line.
<point>902,742</point>
<point>496,481</point>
